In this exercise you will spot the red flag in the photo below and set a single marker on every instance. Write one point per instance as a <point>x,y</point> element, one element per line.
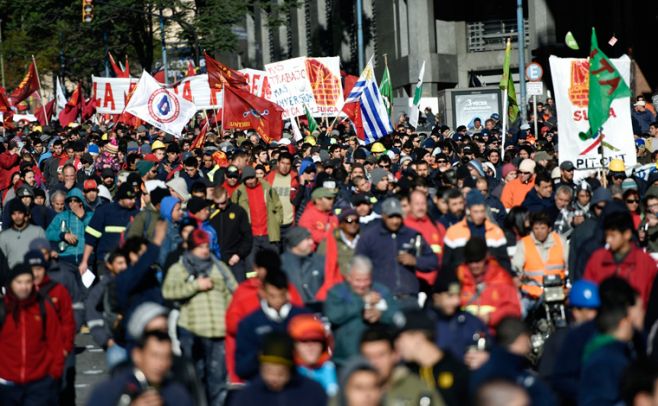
<point>159,76</point>
<point>191,70</point>
<point>243,110</point>
<point>127,118</point>
<point>5,106</point>
<point>28,85</point>
<point>200,140</point>
<point>5,109</point>
<point>72,108</point>
<point>118,72</point>
<point>220,74</point>
<point>348,82</point>
<point>89,108</point>
<point>42,118</point>
<point>353,112</point>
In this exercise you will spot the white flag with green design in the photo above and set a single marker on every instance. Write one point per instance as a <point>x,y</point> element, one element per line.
<point>415,107</point>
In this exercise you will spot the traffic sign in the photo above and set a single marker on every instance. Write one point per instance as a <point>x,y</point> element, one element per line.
<point>534,88</point>
<point>534,71</point>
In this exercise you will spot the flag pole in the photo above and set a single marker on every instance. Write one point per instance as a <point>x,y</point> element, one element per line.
<point>34,61</point>
<point>504,132</point>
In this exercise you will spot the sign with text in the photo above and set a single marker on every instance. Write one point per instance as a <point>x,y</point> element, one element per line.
<point>571,84</point>
<point>111,93</point>
<point>314,82</point>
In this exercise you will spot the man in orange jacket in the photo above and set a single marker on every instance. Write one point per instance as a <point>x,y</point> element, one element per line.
<point>488,290</point>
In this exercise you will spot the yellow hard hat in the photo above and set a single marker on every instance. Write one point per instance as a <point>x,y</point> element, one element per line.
<point>377,148</point>
<point>310,139</point>
<point>616,165</point>
<point>157,145</point>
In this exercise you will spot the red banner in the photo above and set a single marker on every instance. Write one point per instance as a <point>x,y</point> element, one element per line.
<point>73,107</point>
<point>28,85</point>
<point>243,111</point>
<point>220,74</point>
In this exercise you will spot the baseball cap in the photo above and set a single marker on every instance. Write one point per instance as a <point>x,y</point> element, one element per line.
<point>248,172</point>
<point>413,320</point>
<point>392,207</point>
<point>567,166</point>
<point>125,191</point>
<point>90,184</point>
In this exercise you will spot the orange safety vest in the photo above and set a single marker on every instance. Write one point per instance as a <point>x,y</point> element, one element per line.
<point>535,268</point>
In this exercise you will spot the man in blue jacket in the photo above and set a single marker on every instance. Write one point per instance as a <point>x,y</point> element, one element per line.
<point>540,198</point>
<point>141,281</point>
<point>277,382</point>
<point>396,252</point>
<point>610,352</point>
<point>148,381</point>
<point>273,316</point>
<point>106,227</point>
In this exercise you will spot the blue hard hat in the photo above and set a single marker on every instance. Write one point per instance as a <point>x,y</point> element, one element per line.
<point>584,294</point>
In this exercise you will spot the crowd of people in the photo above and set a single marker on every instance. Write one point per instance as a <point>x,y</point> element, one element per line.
<point>411,271</point>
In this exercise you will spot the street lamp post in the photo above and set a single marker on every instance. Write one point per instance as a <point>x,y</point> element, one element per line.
<point>521,34</point>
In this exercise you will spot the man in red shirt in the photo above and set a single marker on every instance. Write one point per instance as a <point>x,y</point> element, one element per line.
<point>264,209</point>
<point>318,216</point>
<point>56,293</point>
<point>32,356</point>
<point>623,258</point>
<point>432,232</point>
<point>246,300</point>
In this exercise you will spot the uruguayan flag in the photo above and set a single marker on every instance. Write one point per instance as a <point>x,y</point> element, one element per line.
<point>374,117</point>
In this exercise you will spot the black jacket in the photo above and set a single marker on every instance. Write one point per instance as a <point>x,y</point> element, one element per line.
<point>233,231</point>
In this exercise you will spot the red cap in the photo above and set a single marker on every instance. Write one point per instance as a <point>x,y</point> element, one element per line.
<point>90,184</point>
<point>197,238</point>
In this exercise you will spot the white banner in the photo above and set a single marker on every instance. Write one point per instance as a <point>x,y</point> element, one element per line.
<point>111,93</point>
<point>259,83</point>
<point>290,86</point>
<point>159,106</point>
<point>571,85</point>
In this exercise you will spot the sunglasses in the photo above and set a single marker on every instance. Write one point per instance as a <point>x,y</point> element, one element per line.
<point>619,176</point>
<point>442,161</point>
<point>631,201</point>
<point>524,173</point>
<point>75,201</point>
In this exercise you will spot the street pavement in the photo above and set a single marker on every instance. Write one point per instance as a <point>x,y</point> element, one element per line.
<point>90,367</point>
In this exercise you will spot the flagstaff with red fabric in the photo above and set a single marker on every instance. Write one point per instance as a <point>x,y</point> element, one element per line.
<point>73,107</point>
<point>220,74</point>
<point>118,70</point>
<point>28,85</point>
<point>243,110</point>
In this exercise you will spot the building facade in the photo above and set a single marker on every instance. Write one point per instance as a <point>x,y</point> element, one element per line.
<point>459,43</point>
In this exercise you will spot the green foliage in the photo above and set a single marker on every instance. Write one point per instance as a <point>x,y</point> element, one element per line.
<point>53,31</point>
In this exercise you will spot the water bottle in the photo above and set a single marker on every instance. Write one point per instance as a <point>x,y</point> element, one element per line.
<point>62,229</point>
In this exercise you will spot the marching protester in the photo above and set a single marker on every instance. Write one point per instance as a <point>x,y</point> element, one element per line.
<point>244,258</point>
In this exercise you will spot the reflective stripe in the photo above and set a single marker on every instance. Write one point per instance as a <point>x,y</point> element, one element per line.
<point>95,323</point>
<point>436,248</point>
<point>78,305</point>
<point>93,232</point>
<point>115,229</point>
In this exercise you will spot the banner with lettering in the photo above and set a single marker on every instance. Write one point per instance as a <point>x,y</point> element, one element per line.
<point>571,85</point>
<point>111,93</point>
<point>259,82</point>
<point>324,76</point>
<point>290,86</point>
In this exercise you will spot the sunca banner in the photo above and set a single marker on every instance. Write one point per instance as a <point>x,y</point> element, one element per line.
<point>111,93</point>
<point>571,84</point>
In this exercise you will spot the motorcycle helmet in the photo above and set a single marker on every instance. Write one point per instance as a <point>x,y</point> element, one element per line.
<point>584,294</point>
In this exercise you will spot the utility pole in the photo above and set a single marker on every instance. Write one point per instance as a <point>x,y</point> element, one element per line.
<point>521,34</point>
<point>359,34</point>
<point>164,48</point>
